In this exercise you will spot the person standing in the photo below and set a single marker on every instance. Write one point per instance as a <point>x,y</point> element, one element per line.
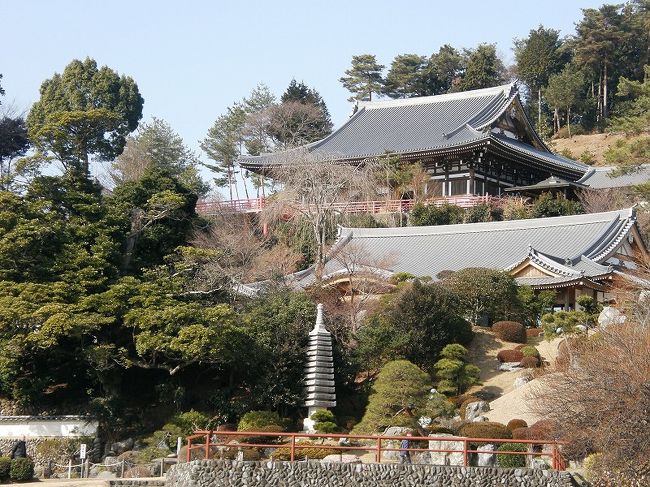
<point>404,453</point>
<point>19,449</point>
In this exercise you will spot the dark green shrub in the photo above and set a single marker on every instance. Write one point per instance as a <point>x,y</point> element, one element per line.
<point>485,429</point>
<point>510,331</point>
<point>273,428</point>
<point>5,467</point>
<point>21,469</point>
<point>510,356</point>
<point>513,424</point>
<point>512,461</point>
<point>322,416</point>
<point>529,362</point>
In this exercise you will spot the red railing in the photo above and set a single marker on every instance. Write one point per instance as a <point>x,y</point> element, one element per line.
<point>206,207</point>
<point>236,439</point>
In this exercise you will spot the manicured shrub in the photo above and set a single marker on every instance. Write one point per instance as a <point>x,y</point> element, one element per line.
<point>534,332</point>
<point>254,420</point>
<point>21,469</point>
<point>510,356</point>
<point>5,467</point>
<point>514,424</point>
<point>510,331</point>
<point>312,453</point>
<point>511,461</point>
<point>542,430</point>
<point>520,434</point>
<point>529,362</point>
<point>530,351</point>
<point>485,429</point>
<point>273,428</point>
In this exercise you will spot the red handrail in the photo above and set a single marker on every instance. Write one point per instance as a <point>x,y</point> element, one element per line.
<point>557,460</point>
<point>211,207</point>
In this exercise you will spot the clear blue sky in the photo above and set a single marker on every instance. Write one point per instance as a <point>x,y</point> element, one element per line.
<point>192,59</point>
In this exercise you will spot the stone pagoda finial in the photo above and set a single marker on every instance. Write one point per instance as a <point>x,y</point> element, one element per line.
<point>319,371</point>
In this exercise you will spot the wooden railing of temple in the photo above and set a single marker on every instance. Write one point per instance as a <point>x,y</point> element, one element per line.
<point>254,205</point>
<point>211,444</point>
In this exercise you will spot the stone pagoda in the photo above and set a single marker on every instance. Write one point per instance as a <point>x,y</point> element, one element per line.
<point>319,371</point>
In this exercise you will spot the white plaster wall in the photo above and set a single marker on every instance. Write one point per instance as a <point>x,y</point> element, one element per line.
<point>33,427</point>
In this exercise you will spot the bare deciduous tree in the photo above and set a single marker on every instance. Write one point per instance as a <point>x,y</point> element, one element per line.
<point>600,401</point>
<point>315,187</point>
<point>292,123</point>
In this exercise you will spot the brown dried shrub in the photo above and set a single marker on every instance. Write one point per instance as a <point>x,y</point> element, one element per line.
<point>485,429</point>
<point>529,362</point>
<point>510,356</point>
<point>510,331</point>
<point>514,424</point>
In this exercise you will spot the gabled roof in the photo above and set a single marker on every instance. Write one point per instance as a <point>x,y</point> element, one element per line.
<point>550,183</point>
<point>420,125</point>
<point>602,177</point>
<point>570,247</point>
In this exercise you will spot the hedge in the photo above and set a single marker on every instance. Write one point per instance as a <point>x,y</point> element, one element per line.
<point>510,331</point>
<point>21,469</point>
<point>314,453</point>
<point>512,461</point>
<point>5,467</point>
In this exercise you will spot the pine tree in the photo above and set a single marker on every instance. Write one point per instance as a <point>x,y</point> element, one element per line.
<point>454,374</point>
<point>444,70</point>
<point>363,78</point>
<point>564,91</point>
<point>406,77</point>
<point>484,68</point>
<point>538,56</point>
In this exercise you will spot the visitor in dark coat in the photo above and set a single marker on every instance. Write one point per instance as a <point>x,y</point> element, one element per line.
<point>19,450</point>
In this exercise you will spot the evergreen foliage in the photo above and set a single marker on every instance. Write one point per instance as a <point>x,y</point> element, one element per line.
<point>363,78</point>
<point>453,372</point>
<point>86,111</point>
<point>399,393</point>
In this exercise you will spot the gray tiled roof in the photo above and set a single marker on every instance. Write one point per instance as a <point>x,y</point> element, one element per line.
<point>410,125</point>
<point>600,178</point>
<point>570,245</point>
<point>549,157</point>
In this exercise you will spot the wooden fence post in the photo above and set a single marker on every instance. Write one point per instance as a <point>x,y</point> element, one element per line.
<point>378,452</point>
<point>465,453</point>
<point>207,445</point>
<point>293,448</point>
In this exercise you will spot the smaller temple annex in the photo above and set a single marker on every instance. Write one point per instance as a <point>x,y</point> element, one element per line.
<point>578,254</point>
<point>478,142</point>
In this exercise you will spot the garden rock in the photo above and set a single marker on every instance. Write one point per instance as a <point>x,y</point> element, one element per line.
<point>610,316</point>
<point>122,446</point>
<point>520,382</point>
<point>443,458</point>
<point>474,409</point>
<point>393,431</point>
<point>344,458</point>
<point>508,366</point>
<point>486,459</point>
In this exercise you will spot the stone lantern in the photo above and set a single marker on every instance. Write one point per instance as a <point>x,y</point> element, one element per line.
<point>319,371</point>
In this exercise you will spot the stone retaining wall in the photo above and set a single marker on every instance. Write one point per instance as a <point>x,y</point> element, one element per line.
<point>217,473</point>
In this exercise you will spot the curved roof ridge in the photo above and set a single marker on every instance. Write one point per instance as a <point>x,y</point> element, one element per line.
<point>422,100</point>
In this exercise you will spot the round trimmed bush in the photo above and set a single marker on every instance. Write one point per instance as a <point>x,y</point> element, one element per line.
<point>530,351</point>
<point>514,424</point>
<point>510,331</point>
<point>5,467</point>
<point>510,356</point>
<point>520,434</point>
<point>529,362</point>
<point>313,453</point>
<point>511,461</point>
<point>485,429</point>
<point>249,454</point>
<point>21,469</point>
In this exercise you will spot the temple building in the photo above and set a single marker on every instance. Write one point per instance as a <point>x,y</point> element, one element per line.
<point>578,254</point>
<point>478,142</point>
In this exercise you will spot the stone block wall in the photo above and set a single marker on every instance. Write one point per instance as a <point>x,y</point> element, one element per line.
<point>218,473</point>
